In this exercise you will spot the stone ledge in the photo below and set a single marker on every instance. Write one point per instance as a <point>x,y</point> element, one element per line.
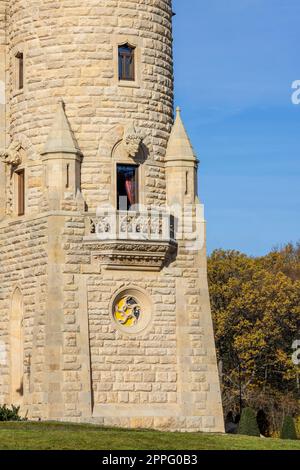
<point>143,255</point>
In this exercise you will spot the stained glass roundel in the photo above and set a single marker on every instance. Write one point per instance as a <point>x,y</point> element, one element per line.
<point>131,310</point>
<point>127,311</point>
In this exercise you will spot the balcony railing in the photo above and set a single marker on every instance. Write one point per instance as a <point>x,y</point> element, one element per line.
<point>130,225</point>
<point>141,240</point>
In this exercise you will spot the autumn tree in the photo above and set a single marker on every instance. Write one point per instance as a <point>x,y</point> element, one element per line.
<point>256,313</point>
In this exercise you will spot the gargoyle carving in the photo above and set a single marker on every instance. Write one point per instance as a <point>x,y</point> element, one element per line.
<point>12,155</point>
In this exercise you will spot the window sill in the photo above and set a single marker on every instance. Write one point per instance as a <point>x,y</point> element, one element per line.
<point>16,93</point>
<point>14,218</point>
<point>128,84</point>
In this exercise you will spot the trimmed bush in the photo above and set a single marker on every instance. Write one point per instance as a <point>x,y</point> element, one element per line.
<point>10,414</point>
<point>248,425</point>
<point>288,430</point>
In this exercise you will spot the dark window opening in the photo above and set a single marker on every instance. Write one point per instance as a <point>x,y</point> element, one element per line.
<point>126,62</point>
<point>127,186</point>
<point>68,175</point>
<point>20,70</point>
<point>21,192</point>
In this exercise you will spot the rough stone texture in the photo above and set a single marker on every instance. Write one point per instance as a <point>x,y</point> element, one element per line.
<point>77,364</point>
<point>3,69</point>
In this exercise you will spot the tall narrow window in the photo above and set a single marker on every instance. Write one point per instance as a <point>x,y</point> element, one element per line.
<point>20,70</point>
<point>68,175</point>
<point>126,62</point>
<point>21,192</point>
<point>17,348</point>
<point>127,186</point>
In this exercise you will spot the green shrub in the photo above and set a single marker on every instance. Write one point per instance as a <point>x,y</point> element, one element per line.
<point>10,414</point>
<point>288,430</point>
<point>248,424</point>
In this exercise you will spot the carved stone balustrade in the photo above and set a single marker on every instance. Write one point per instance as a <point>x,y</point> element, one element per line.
<point>131,240</point>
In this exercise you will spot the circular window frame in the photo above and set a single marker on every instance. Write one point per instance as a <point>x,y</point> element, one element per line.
<point>146,310</point>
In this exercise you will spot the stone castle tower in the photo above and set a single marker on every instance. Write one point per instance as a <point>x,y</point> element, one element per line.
<point>104,305</point>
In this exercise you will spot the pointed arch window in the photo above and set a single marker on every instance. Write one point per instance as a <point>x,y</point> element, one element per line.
<point>126,62</point>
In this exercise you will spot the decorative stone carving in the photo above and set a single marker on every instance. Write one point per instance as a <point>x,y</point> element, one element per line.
<point>12,158</point>
<point>143,225</point>
<point>127,311</point>
<point>145,255</point>
<point>131,240</point>
<point>132,141</point>
<point>12,155</point>
<point>131,310</point>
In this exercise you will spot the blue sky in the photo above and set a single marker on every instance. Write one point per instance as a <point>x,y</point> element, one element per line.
<point>235,61</point>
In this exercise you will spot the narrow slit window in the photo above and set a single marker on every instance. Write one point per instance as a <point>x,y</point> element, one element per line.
<point>186,182</point>
<point>68,176</point>
<point>20,70</point>
<point>127,186</point>
<point>21,192</point>
<point>126,62</point>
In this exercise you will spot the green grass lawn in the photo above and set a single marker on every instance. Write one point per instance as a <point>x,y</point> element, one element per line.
<point>61,436</point>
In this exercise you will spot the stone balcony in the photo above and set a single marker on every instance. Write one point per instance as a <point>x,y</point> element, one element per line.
<point>130,240</point>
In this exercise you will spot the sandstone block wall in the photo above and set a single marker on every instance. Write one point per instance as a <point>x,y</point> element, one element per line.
<point>3,70</point>
<point>77,364</point>
<point>70,51</point>
<point>23,262</point>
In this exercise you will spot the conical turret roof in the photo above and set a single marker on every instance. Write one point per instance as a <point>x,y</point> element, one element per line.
<point>61,138</point>
<point>179,145</point>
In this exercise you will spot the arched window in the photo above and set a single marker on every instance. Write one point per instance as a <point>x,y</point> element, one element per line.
<point>16,348</point>
<point>126,62</point>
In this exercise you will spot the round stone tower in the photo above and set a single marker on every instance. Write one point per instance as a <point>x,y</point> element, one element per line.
<point>3,41</point>
<point>70,52</point>
<point>104,304</point>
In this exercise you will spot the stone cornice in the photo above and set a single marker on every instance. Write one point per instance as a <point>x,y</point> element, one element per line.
<point>131,254</point>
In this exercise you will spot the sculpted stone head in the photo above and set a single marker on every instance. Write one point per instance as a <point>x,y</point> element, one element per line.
<point>132,141</point>
<point>12,155</point>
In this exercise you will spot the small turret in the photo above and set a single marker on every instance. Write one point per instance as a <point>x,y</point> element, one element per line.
<point>62,158</point>
<point>181,166</point>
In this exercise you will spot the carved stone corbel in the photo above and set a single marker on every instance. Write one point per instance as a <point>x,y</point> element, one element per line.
<point>12,155</point>
<point>132,141</point>
<point>12,158</point>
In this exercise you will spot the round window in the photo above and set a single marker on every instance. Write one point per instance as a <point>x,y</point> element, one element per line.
<point>127,311</point>
<point>131,310</point>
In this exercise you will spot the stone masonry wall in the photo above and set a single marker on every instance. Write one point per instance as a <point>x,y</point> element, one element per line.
<point>124,370</point>
<point>3,6</point>
<point>158,379</point>
<point>23,264</point>
<point>79,366</point>
<point>163,378</point>
<point>70,52</point>
<point>197,362</point>
<point>133,369</point>
<point>3,65</point>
